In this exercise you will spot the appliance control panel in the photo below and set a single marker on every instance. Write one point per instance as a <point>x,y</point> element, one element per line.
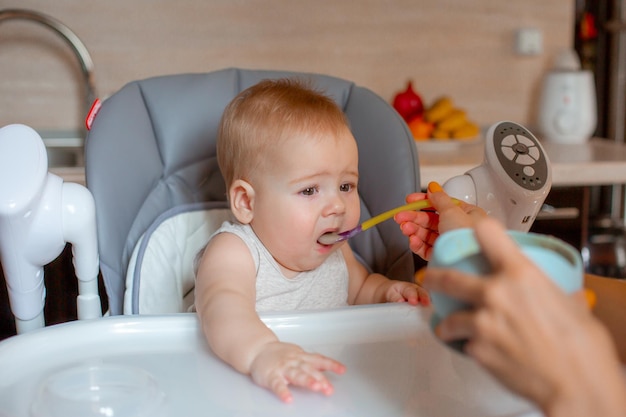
<point>520,155</point>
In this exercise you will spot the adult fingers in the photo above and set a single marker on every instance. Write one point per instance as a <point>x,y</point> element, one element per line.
<point>439,198</point>
<point>451,215</point>
<point>454,283</point>
<point>456,326</point>
<point>426,219</point>
<point>413,197</point>
<point>501,251</point>
<point>420,247</point>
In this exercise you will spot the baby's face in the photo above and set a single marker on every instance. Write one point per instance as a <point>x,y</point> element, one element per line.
<point>310,189</point>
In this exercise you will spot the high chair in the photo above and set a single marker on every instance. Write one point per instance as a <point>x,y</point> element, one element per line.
<point>151,166</point>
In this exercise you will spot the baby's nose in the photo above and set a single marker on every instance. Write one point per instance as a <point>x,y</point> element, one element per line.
<point>336,205</point>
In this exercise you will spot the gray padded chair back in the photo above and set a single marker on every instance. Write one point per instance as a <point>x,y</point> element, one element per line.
<point>152,147</point>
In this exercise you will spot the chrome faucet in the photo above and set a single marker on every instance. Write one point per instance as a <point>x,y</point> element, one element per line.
<point>70,37</point>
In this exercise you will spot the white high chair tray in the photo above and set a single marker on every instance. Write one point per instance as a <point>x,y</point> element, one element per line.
<point>395,367</point>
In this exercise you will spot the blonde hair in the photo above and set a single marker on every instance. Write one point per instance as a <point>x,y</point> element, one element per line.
<point>265,115</point>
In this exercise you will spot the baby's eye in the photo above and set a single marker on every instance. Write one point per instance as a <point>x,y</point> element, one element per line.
<point>344,188</point>
<point>309,191</point>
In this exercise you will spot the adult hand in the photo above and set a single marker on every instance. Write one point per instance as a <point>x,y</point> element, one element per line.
<point>423,227</point>
<point>528,333</point>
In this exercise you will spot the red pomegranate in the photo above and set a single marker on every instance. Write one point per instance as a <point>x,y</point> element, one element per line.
<point>408,103</point>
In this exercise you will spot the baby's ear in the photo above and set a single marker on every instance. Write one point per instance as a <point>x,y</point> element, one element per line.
<point>241,197</point>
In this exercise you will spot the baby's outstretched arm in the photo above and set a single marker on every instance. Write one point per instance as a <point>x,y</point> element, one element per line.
<point>225,302</point>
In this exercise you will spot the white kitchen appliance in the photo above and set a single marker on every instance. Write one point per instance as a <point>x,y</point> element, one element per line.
<point>512,182</point>
<point>567,107</point>
<point>39,214</point>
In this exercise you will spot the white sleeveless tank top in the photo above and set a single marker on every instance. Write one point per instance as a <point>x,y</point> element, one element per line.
<point>324,287</point>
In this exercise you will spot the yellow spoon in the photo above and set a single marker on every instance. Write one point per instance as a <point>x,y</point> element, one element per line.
<point>331,237</point>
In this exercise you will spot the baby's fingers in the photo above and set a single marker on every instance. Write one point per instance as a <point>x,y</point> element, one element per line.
<point>308,372</point>
<point>301,375</point>
<point>423,296</point>
<point>309,378</point>
<point>323,363</point>
<point>406,293</point>
<point>278,386</point>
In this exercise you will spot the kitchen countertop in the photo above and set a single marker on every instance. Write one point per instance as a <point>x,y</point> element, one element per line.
<point>70,174</point>
<point>597,162</point>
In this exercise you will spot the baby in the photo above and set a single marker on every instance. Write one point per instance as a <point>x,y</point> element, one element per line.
<point>290,164</point>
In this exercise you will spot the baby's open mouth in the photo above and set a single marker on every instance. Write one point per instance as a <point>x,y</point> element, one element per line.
<point>328,238</point>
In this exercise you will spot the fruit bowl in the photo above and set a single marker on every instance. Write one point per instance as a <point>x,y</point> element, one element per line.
<point>444,145</point>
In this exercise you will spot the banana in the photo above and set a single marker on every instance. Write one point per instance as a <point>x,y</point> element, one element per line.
<point>453,120</point>
<point>449,121</point>
<point>468,130</point>
<point>440,134</point>
<point>440,108</point>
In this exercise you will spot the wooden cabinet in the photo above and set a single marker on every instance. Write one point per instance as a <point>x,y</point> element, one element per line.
<point>565,215</point>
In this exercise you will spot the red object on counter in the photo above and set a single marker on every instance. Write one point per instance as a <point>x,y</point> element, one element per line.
<point>408,103</point>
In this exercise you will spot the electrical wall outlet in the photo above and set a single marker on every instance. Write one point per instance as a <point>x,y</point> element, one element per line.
<point>529,41</point>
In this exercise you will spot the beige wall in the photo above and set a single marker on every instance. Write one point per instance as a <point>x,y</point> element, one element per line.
<point>463,48</point>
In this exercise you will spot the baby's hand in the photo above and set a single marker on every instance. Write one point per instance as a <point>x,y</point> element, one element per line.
<point>400,291</point>
<point>280,364</point>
